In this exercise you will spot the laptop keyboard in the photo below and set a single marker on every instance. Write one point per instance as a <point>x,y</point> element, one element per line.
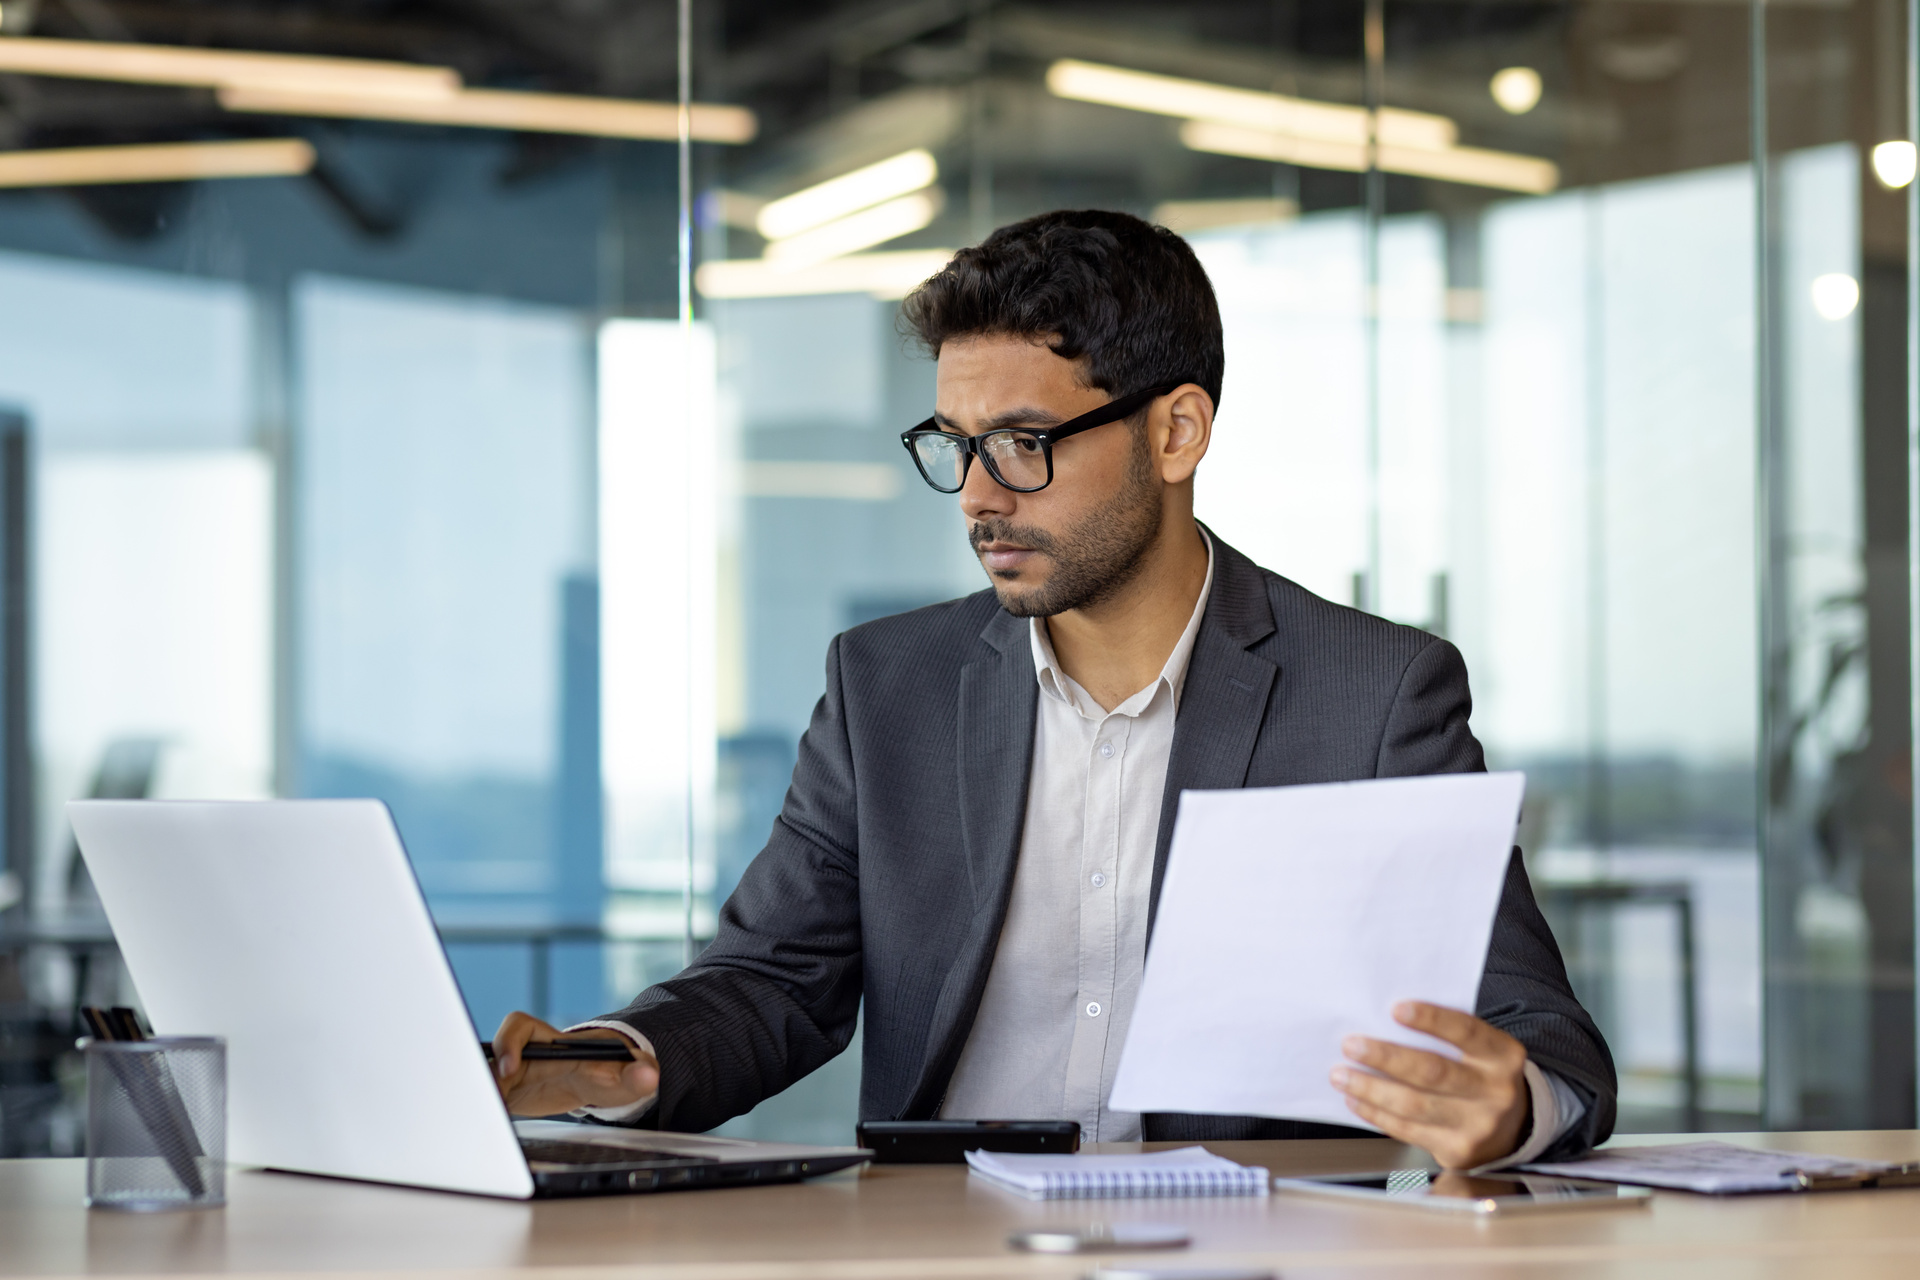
<point>557,1151</point>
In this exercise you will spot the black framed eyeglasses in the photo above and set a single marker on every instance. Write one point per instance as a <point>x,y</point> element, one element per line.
<point>1018,458</point>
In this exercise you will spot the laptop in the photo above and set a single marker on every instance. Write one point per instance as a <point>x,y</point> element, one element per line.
<point>296,930</point>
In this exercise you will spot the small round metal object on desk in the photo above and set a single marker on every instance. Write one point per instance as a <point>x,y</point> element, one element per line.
<point>1100,1236</point>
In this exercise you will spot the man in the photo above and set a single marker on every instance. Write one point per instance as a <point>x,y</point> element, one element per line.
<point>979,818</point>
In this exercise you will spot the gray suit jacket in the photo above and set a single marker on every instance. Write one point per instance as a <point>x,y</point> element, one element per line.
<point>889,869</point>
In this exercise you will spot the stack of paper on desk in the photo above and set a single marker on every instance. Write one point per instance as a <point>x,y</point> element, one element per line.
<point>1291,917</point>
<point>1720,1168</point>
<point>1187,1171</point>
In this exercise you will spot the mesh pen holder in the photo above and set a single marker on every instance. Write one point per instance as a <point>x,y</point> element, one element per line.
<point>157,1123</point>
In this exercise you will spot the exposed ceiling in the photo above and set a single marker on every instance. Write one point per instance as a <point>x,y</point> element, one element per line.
<point>1633,86</point>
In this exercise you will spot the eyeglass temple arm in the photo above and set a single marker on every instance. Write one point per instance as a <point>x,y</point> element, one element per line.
<point>1112,410</point>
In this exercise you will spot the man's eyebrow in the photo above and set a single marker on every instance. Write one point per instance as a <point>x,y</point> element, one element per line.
<point>1025,416</point>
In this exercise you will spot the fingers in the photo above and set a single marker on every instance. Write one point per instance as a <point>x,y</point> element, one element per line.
<point>1447,1146</point>
<point>1462,1095</point>
<point>1416,1067</point>
<point>1465,1112</point>
<point>516,1031</point>
<point>1471,1035</point>
<point>1460,1135</point>
<point>1418,1106</point>
<point>553,1087</point>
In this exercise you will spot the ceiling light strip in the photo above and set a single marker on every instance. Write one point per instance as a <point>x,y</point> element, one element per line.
<point>215,68</point>
<point>1471,166</point>
<point>158,162</point>
<point>508,109</point>
<point>857,231</point>
<point>823,202</point>
<point>357,88</point>
<point>1282,148</point>
<point>1248,108</point>
<point>1475,167</point>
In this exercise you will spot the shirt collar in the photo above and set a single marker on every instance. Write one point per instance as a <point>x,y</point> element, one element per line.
<point>1055,683</point>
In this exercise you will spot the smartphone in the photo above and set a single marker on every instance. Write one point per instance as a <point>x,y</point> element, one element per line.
<point>1482,1194</point>
<point>1100,1237</point>
<point>948,1141</point>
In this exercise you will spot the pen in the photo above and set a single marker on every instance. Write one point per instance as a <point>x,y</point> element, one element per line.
<point>569,1051</point>
<point>155,1098</point>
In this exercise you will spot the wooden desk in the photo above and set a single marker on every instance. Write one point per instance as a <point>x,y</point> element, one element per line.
<point>933,1222</point>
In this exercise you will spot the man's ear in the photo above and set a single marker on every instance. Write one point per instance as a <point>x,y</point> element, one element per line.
<point>1186,430</point>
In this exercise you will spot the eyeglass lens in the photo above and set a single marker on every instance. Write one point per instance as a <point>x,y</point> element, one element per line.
<point>943,461</point>
<point>1017,459</point>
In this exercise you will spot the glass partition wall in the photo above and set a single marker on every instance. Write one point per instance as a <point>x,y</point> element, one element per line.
<point>521,479</point>
<point>1551,329</point>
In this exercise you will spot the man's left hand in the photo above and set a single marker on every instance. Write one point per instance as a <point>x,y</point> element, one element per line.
<point>1467,1112</point>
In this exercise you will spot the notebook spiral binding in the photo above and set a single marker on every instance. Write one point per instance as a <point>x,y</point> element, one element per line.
<point>1153,1183</point>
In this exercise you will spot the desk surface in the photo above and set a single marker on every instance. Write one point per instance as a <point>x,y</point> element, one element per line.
<point>931,1221</point>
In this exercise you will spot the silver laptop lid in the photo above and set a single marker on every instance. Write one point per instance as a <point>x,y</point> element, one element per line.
<point>296,929</point>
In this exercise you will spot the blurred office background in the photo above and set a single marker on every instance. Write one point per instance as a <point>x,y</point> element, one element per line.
<point>386,465</point>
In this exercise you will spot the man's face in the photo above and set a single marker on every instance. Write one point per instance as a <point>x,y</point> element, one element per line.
<point>1084,536</point>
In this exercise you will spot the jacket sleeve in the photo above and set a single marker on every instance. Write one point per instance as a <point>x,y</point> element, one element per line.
<point>1524,991</point>
<point>777,993</point>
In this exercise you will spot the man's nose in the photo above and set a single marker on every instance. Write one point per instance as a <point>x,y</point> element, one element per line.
<point>983,496</point>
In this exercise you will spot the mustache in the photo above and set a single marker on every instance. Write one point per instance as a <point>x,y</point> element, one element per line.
<point>981,532</point>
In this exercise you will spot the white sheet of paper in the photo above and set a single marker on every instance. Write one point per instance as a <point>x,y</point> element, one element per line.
<point>1293,916</point>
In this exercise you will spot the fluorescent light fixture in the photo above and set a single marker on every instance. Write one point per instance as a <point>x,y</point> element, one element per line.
<point>220,68</point>
<point>1893,164</point>
<point>1835,295</point>
<point>507,109</point>
<point>823,202</point>
<point>856,231</point>
<point>364,89</point>
<point>158,162</point>
<point>1516,89</point>
<point>1473,166</point>
<point>884,275</point>
<point>1285,148</point>
<point>1188,216</point>
<point>1248,108</point>
<point>1320,135</point>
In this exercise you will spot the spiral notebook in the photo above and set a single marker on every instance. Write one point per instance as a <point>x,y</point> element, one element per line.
<point>1186,1171</point>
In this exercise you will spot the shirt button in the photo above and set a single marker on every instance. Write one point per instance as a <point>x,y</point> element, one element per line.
<point>1098,879</point>
<point>1106,751</point>
<point>1093,1009</point>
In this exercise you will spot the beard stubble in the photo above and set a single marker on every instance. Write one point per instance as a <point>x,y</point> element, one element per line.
<point>1091,561</point>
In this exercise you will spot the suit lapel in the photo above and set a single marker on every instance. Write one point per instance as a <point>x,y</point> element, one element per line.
<point>1224,701</point>
<point>999,700</point>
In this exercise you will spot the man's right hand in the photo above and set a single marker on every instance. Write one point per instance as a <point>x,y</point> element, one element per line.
<point>553,1088</point>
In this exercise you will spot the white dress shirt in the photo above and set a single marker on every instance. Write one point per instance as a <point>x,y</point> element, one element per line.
<point>1046,1041</point>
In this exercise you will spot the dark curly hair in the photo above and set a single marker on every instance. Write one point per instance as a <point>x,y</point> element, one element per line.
<point>1127,298</point>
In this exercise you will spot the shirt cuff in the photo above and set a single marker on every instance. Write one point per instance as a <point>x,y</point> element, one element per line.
<point>633,1110</point>
<point>1556,1110</point>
